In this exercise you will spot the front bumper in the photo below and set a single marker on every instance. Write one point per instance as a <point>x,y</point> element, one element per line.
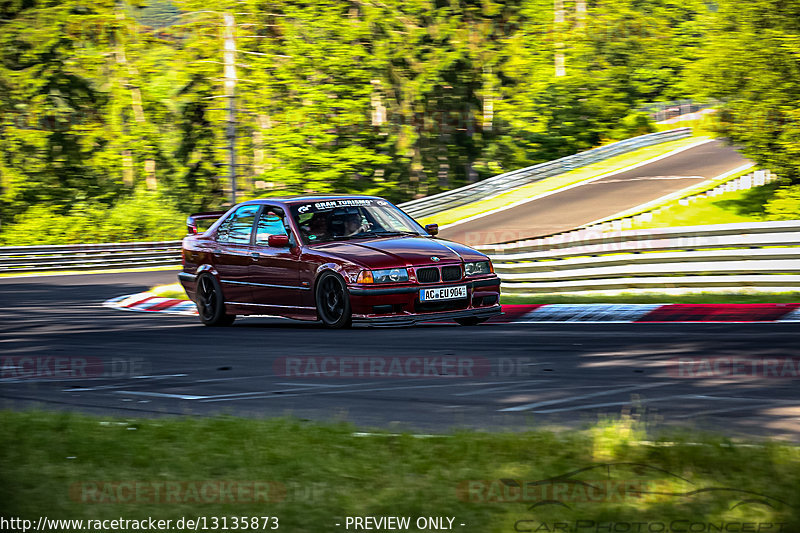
<point>471,286</point>
<point>402,305</point>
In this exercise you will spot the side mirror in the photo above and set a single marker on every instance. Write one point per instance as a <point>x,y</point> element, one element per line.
<point>432,229</point>
<point>278,241</point>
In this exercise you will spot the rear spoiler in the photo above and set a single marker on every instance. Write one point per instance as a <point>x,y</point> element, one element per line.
<point>191,221</point>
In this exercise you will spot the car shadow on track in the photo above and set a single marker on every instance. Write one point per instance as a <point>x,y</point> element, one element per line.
<point>282,323</point>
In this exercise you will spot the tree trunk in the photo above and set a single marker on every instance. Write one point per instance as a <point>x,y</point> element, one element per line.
<point>138,112</point>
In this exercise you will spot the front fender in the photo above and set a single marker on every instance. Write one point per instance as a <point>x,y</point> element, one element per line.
<point>332,267</point>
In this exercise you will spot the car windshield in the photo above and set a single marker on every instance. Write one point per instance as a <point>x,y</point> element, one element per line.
<point>331,220</point>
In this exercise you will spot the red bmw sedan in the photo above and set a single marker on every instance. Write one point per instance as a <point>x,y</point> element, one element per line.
<point>335,259</point>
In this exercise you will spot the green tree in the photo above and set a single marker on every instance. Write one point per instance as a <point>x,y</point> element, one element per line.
<point>752,64</point>
<point>51,127</point>
<point>393,97</point>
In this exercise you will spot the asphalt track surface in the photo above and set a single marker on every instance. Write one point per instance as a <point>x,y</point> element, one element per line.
<point>518,376</point>
<point>592,201</point>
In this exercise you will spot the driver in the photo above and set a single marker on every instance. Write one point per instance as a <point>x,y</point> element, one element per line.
<point>353,224</point>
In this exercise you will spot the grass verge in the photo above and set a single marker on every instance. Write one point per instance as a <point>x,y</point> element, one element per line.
<point>725,208</point>
<point>173,290</point>
<point>676,197</point>
<point>557,182</point>
<point>63,465</point>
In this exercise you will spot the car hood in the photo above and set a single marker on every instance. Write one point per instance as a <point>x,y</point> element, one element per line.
<point>401,251</point>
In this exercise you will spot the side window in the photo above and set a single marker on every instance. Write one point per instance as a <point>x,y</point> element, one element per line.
<point>237,227</point>
<point>271,222</point>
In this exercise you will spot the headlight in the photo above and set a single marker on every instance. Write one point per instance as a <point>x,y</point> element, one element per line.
<point>481,267</point>
<point>389,275</point>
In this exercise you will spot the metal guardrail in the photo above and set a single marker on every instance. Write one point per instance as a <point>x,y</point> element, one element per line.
<point>21,259</point>
<point>764,256</point>
<point>503,182</point>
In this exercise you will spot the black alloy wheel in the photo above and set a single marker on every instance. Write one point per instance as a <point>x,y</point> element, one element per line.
<point>333,301</point>
<point>210,305</point>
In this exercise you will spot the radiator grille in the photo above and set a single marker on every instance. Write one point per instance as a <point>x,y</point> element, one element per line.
<point>451,273</point>
<point>428,275</point>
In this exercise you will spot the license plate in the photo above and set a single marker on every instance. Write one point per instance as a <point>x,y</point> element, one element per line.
<point>443,293</point>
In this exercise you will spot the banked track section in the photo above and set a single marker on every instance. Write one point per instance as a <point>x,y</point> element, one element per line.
<point>574,206</point>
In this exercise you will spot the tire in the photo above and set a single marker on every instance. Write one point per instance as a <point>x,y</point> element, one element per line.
<point>470,321</point>
<point>333,301</point>
<point>210,304</point>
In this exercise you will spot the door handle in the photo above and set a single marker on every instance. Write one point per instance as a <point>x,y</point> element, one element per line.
<point>255,255</point>
<point>217,252</point>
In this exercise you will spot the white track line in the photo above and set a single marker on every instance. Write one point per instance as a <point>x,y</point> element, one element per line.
<point>328,386</point>
<point>495,389</point>
<point>608,404</point>
<point>358,389</point>
<point>729,409</point>
<point>530,406</point>
<point>161,395</point>
<point>256,395</point>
